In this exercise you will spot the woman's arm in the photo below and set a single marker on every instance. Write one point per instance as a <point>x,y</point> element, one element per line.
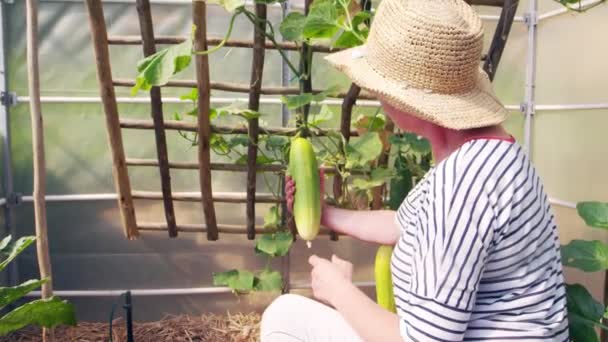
<point>331,284</point>
<point>370,225</point>
<point>369,320</point>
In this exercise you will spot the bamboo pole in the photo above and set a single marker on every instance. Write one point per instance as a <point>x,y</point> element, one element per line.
<point>144,14</point>
<point>199,18</point>
<point>257,73</point>
<point>42,239</point>
<point>104,75</point>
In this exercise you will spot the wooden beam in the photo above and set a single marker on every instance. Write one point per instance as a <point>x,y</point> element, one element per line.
<point>192,127</point>
<point>104,75</point>
<point>144,14</point>
<point>238,88</point>
<point>223,197</point>
<point>240,43</point>
<point>234,229</point>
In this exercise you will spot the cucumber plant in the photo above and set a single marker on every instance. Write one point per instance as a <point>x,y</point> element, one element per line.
<point>46,313</point>
<point>341,24</point>
<point>585,314</point>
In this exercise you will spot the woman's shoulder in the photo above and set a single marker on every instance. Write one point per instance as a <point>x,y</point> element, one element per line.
<point>479,160</point>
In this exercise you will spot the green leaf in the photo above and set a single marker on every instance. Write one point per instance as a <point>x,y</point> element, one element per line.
<point>191,96</point>
<point>11,294</point>
<point>297,101</point>
<point>347,40</point>
<point>239,140</point>
<point>324,115</point>
<point>276,244</point>
<point>219,144</point>
<point>229,5</point>
<point>360,18</point>
<point>237,280</point>
<point>157,69</point>
<point>363,150</point>
<point>15,249</point>
<point>321,21</point>
<point>272,219</point>
<point>237,109</point>
<point>417,143</point>
<point>595,214</point>
<point>276,142</point>
<point>584,312</point>
<point>401,185</point>
<point>588,256</point>
<point>43,312</point>
<point>373,123</point>
<point>260,160</point>
<point>5,242</point>
<point>268,280</point>
<point>378,177</point>
<point>292,26</point>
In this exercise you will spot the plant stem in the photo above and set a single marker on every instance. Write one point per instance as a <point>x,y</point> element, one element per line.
<point>226,37</point>
<point>256,20</point>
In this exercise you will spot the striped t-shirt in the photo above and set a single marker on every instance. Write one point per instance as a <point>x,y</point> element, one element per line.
<point>478,257</point>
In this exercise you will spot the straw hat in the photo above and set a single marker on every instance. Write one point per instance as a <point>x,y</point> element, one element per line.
<point>423,56</point>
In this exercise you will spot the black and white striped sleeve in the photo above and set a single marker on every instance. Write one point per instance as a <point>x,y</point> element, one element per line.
<point>455,227</point>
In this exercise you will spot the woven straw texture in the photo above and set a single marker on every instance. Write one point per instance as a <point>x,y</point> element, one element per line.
<point>422,56</point>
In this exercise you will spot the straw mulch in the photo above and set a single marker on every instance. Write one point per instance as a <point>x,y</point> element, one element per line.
<point>224,328</point>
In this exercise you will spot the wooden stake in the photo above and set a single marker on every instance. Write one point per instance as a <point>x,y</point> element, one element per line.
<point>147,33</point>
<point>104,75</point>
<point>42,239</point>
<point>257,72</point>
<point>199,17</point>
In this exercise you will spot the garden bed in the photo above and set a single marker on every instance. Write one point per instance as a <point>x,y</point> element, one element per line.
<point>225,328</point>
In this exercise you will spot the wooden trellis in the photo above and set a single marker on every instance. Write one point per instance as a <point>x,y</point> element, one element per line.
<point>204,128</point>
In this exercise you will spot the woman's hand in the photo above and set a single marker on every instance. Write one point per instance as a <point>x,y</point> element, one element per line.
<point>329,278</point>
<point>290,190</point>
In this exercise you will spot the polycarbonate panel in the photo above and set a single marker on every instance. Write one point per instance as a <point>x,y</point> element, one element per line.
<point>569,151</point>
<point>572,57</point>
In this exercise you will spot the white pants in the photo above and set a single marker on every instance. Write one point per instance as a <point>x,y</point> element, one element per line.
<point>294,318</point>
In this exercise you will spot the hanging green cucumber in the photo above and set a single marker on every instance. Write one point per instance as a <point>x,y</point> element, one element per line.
<point>384,281</point>
<point>304,170</point>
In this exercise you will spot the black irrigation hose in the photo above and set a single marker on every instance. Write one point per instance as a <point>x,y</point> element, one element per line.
<point>128,306</point>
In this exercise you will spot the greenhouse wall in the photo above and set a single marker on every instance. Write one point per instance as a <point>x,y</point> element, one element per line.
<point>88,247</point>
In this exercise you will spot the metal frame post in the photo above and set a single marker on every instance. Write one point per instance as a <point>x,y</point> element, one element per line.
<point>7,170</point>
<point>528,107</point>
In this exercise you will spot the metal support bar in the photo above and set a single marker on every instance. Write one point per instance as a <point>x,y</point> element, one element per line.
<point>528,108</point>
<point>169,292</point>
<point>564,10</point>
<point>111,197</point>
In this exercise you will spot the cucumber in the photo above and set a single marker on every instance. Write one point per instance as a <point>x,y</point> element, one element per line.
<point>304,170</point>
<point>384,279</point>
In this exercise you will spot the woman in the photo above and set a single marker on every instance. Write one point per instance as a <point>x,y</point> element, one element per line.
<point>476,253</point>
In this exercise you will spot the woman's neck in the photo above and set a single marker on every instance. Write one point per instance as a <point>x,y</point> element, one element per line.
<point>445,141</point>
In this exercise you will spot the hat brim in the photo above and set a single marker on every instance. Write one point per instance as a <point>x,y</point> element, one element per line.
<point>478,107</point>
